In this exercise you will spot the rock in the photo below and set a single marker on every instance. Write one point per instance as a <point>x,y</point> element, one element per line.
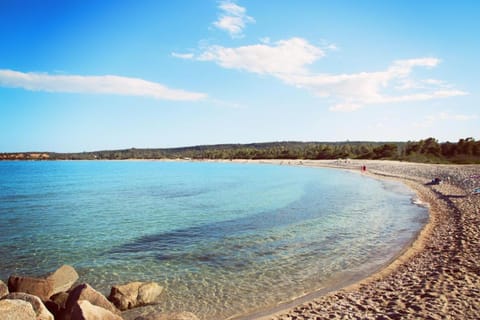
<point>57,304</point>
<point>41,288</point>
<point>41,311</point>
<point>169,316</point>
<point>3,289</point>
<point>84,310</point>
<point>16,310</point>
<point>86,292</point>
<point>63,279</point>
<point>135,294</point>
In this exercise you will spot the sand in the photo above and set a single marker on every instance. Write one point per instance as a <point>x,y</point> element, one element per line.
<point>437,276</point>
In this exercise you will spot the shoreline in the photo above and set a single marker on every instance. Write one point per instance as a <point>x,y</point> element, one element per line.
<point>431,277</point>
<point>434,275</point>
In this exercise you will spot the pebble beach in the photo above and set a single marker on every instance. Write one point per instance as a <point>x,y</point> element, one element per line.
<point>437,276</point>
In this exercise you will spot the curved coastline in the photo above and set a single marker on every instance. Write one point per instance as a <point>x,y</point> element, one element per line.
<point>436,276</point>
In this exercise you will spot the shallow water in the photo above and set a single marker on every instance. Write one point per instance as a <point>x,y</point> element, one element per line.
<point>223,238</point>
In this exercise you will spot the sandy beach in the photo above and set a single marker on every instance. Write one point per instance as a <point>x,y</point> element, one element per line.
<point>437,277</point>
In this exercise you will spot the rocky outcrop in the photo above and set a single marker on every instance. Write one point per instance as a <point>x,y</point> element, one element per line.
<point>135,294</point>
<point>41,288</point>
<point>41,311</point>
<point>3,289</point>
<point>86,292</point>
<point>84,310</point>
<point>63,279</point>
<point>52,298</point>
<point>44,288</point>
<point>169,316</point>
<point>16,310</point>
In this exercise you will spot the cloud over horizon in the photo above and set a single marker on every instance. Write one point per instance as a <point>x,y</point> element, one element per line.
<point>288,60</point>
<point>233,18</point>
<point>106,84</point>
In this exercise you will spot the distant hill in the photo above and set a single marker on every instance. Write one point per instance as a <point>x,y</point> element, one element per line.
<point>428,150</point>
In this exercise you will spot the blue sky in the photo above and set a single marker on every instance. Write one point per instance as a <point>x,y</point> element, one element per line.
<point>93,75</point>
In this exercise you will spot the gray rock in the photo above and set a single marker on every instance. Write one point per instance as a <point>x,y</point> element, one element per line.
<point>169,316</point>
<point>135,294</point>
<point>63,279</point>
<point>3,289</point>
<point>41,311</point>
<point>41,288</point>
<point>86,292</point>
<point>16,310</point>
<point>84,310</point>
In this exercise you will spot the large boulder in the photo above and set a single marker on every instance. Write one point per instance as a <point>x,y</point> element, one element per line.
<point>16,310</point>
<point>135,294</point>
<point>41,288</point>
<point>84,310</point>
<point>63,279</point>
<point>169,316</point>
<point>3,289</point>
<point>41,311</point>
<point>86,292</point>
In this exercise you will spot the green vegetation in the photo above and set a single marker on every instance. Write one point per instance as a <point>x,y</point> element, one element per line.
<point>428,150</point>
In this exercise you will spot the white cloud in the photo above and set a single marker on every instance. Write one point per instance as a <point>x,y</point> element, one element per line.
<point>233,18</point>
<point>185,56</point>
<point>289,61</point>
<point>285,57</point>
<point>107,84</point>
<point>430,120</point>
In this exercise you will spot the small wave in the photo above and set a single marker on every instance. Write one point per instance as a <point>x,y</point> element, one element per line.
<point>416,201</point>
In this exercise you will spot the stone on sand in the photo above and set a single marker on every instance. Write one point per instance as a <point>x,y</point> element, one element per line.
<point>135,294</point>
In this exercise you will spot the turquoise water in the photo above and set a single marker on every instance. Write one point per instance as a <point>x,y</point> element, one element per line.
<point>223,238</point>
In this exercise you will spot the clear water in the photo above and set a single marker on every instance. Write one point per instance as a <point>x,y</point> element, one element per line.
<point>223,238</point>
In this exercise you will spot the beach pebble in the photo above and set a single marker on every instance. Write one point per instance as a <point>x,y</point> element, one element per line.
<point>135,294</point>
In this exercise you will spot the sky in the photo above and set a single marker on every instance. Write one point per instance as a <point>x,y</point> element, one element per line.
<point>91,75</point>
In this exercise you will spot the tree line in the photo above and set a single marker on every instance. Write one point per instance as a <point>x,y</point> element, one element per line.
<point>428,150</point>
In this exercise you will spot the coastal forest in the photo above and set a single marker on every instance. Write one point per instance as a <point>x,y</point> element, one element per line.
<point>428,150</point>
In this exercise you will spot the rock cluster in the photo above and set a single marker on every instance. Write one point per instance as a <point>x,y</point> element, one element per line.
<point>55,297</point>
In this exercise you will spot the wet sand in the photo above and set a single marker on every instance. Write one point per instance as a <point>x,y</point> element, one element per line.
<point>437,277</point>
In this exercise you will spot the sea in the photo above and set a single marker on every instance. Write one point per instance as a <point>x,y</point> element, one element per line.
<point>224,239</point>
